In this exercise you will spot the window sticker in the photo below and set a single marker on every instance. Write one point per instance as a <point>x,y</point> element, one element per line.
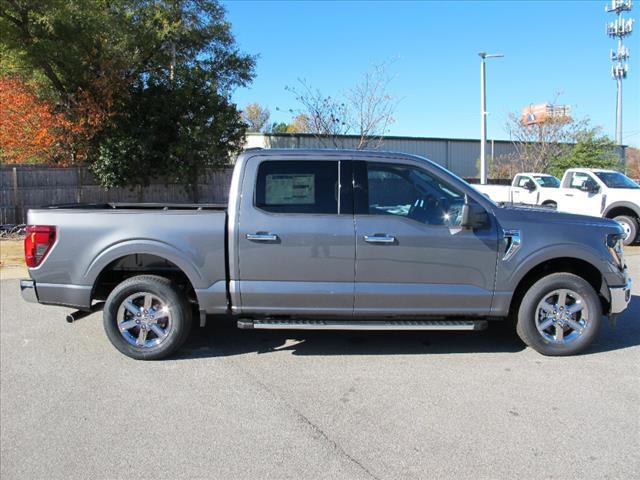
<point>290,189</point>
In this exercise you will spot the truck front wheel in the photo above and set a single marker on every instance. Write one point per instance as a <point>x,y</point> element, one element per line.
<point>147,317</point>
<point>559,315</point>
<point>630,226</point>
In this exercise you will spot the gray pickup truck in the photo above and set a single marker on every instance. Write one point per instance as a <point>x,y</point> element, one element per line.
<point>330,240</point>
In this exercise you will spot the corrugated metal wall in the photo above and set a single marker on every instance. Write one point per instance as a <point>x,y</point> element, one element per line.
<point>459,156</point>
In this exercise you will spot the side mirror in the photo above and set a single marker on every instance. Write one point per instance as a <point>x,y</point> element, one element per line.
<point>590,186</point>
<point>473,216</point>
<point>529,185</point>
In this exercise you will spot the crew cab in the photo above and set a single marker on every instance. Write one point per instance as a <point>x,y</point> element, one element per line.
<point>330,240</point>
<point>602,193</point>
<point>526,188</point>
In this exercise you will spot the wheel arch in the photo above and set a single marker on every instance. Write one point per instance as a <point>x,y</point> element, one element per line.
<point>577,266</point>
<point>622,208</point>
<point>134,258</point>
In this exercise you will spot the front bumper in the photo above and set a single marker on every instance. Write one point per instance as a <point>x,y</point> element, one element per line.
<point>28,291</point>
<point>620,298</point>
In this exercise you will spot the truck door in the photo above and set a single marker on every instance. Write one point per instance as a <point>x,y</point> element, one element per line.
<point>575,200</point>
<point>412,257</point>
<point>295,234</point>
<point>522,191</point>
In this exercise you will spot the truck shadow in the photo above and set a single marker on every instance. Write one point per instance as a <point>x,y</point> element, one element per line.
<point>221,338</point>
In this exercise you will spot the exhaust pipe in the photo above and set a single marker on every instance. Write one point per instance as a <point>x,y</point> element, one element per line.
<point>78,314</point>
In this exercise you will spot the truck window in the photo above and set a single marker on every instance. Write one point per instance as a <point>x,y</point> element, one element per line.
<point>616,180</point>
<point>576,179</point>
<point>547,181</point>
<point>297,187</point>
<point>522,181</point>
<point>410,192</point>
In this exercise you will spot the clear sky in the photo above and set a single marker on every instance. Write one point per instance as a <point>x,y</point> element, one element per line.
<point>549,47</point>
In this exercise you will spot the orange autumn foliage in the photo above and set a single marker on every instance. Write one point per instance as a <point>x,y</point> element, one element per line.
<point>33,130</point>
<point>29,127</point>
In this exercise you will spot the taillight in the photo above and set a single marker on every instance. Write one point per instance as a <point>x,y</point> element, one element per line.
<point>37,243</point>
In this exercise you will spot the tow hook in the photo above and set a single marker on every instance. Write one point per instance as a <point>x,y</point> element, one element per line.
<point>78,314</point>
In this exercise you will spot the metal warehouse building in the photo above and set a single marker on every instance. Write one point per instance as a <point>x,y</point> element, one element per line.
<point>458,155</point>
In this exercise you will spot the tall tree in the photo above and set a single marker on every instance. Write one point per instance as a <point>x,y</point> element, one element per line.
<point>80,53</point>
<point>256,116</point>
<point>173,131</point>
<point>101,61</point>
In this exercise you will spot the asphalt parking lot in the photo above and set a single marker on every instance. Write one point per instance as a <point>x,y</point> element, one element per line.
<point>239,404</point>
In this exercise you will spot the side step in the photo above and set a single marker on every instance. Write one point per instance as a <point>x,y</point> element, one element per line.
<point>272,324</point>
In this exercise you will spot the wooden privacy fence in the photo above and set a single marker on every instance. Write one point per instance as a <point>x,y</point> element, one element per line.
<point>24,187</point>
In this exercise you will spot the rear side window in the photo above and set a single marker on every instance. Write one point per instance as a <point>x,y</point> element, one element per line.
<point>297,187</point>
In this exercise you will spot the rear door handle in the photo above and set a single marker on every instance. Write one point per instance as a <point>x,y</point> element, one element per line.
<point>262,237</point>
<point>568,194</point>
<point>384,238</point>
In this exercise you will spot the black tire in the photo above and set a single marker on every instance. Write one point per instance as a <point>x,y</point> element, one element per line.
<point>527,314</point>
<point>178,309</point>
<point>632,225</point>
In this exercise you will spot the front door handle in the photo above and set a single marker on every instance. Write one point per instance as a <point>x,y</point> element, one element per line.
<point>262,237</point>
<point>378,238</point>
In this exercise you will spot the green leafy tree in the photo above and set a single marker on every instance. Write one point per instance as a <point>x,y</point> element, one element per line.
<point>276,127</point>
<point>153,78</point>
<point>592,150</point>
<point>172,130</point>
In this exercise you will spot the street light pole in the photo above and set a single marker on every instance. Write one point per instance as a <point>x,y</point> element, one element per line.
<point>483,116</point>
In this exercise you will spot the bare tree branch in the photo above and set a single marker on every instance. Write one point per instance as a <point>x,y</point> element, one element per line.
<point>366,111</point>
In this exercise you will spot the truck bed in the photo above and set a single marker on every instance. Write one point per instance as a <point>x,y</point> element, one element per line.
<point>94,238</point>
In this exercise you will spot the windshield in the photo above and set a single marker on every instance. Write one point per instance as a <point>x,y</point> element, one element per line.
<point>548,182</point>
<point>616,180</point>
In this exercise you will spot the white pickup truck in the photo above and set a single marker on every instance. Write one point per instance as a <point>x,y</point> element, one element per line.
<point>527,188</point>
<point>602,193</point>
<point>585,191</point>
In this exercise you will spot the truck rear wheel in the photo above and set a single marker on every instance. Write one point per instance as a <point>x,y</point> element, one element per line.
<point>630,226</point>
<point>147,317</point>
<point>559,315</point>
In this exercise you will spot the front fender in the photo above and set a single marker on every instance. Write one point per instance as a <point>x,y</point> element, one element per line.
<point>511,272</point>
<point>557,251</point>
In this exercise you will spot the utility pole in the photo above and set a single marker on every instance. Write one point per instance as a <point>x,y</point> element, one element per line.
<point>483,116</point>
<point>619,28</point>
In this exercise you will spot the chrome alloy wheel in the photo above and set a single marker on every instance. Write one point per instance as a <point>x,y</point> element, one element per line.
<point>627,229</point>
<point>562,316</point>
<point>144,320</point>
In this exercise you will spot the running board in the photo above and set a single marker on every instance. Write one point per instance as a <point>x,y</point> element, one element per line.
<point>270,324</point>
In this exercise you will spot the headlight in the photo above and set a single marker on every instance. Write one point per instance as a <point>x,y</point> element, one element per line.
<point>614,244</point>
